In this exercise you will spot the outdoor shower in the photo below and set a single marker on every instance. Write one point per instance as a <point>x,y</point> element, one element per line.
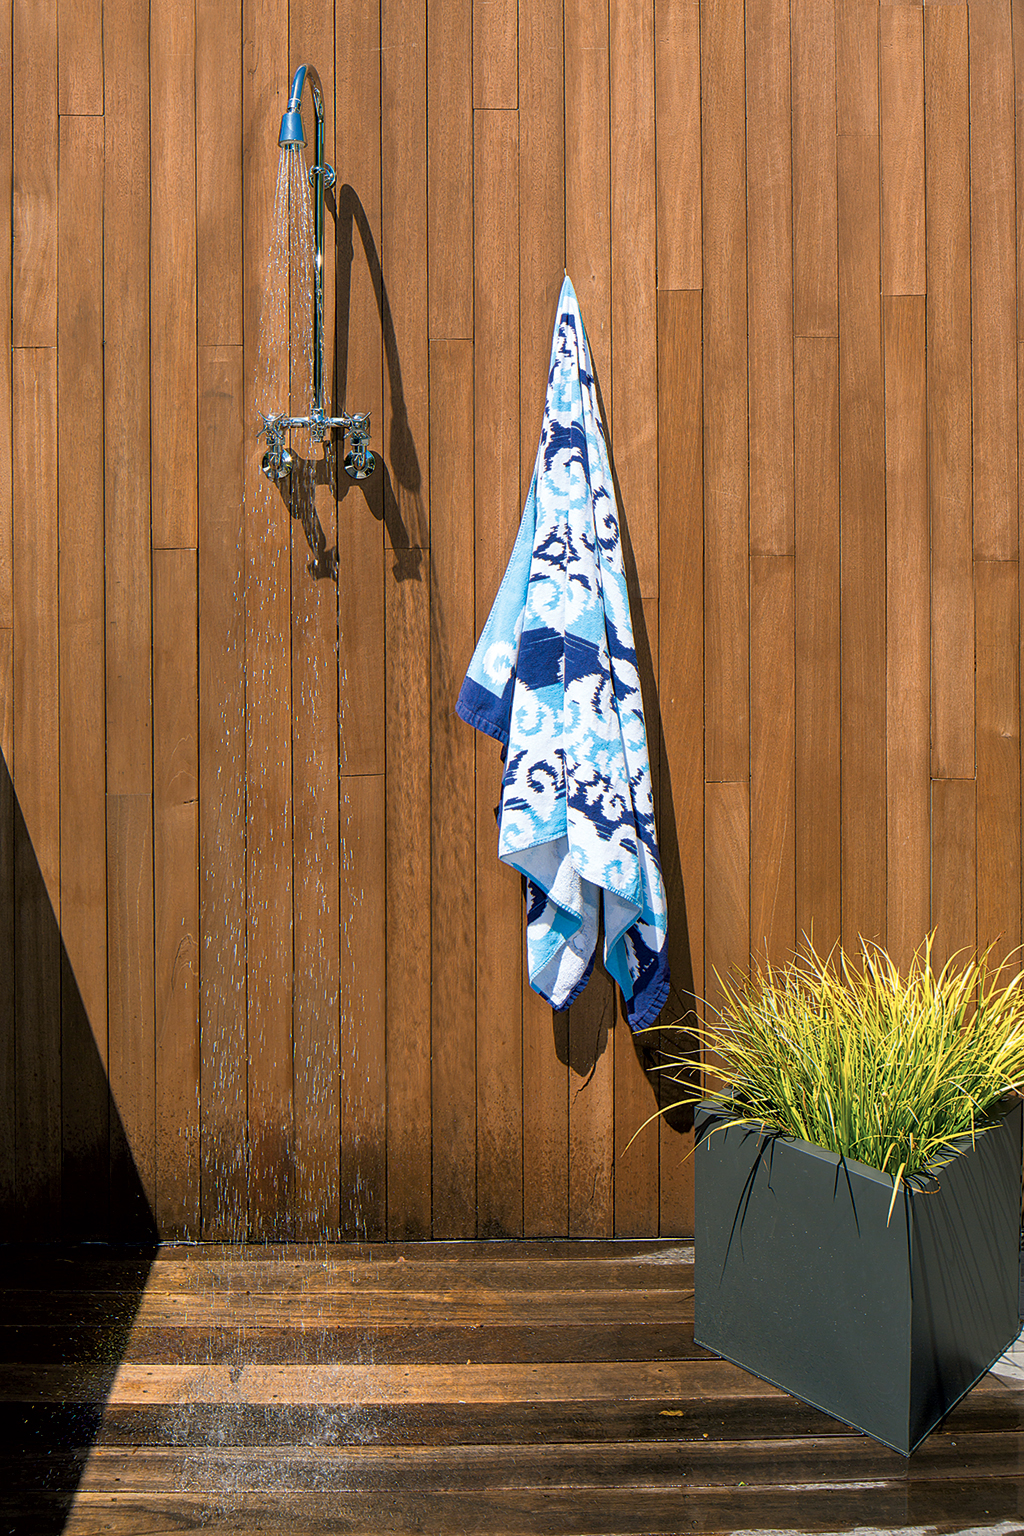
<point>279,460</point>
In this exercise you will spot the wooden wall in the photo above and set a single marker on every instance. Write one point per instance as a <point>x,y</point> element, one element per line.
<point>247,853</point>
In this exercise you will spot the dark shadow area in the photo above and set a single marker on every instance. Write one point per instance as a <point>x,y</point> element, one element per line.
<point>78,1233</point>
<point>402,474</point>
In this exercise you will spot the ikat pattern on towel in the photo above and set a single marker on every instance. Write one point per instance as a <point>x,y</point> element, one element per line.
<point>554,678</point>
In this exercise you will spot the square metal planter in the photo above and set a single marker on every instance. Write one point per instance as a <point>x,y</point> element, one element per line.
<point>799,1280</point>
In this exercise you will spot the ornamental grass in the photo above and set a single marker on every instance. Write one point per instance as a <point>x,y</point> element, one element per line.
<point>853,1056</point>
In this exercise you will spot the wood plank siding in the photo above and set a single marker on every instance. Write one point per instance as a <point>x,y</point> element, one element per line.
<point>261,975</point>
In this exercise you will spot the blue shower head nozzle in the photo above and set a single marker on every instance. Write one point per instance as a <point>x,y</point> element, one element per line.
<point>291,129</point>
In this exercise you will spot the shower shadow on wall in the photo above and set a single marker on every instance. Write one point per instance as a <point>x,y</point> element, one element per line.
<point>78,1236</point>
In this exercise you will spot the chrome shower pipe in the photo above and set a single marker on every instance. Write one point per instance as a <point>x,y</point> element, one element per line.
<point>278,460</point>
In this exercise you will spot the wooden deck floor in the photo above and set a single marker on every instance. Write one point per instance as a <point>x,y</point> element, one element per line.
<point>438,1387</point>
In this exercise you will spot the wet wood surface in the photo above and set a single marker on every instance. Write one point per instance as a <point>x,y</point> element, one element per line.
<point>434,1387</point>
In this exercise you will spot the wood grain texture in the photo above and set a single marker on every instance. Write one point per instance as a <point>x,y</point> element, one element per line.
<point>126,400</point>
<point>8,890</point>
<point>770,278</point>
<point>404,215</point>
<point>726,717</point>
<point>588,113</point>
<point>495,54</point>
<point>901,82</point>
<point>34,189</point>
<point>6,322</point>
<point>681,698</point>
<point>634,420</point>
<point>172,255</point>
<point>726,902</point>
<point>593,1039</point>
<point>81,643</point>
<point>947,174</point>
<point>993,280</point>
<point>221,725</point>
<point>998,727</point>
<point>907,626</point>
<point>176,888</point>
<point>499,1067</point>
<point>80,57</point>
<point>862,535</point>
<point>954,915</point>
<point>453,1021</point>
<point>363,1046</point>
<point>450,169</point>
<point>815,197</point>
<point>818,708</point>
<point>36,777</point>
<point>678,143</point>
<point>408,897</point>
<point>218,172</point>
<point>772,756</point>
<point>268,756</point>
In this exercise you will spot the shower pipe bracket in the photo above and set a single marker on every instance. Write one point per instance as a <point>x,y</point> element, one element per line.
<point>279,460</point>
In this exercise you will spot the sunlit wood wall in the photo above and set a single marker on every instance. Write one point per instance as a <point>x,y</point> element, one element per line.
<point>247,853</point>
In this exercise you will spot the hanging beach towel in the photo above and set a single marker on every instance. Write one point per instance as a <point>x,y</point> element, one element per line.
<point>554,678</point>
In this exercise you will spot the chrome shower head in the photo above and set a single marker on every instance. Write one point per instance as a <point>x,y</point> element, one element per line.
<point>291,122</point>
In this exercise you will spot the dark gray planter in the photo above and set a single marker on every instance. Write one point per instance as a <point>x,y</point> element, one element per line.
<point>798,1279</point>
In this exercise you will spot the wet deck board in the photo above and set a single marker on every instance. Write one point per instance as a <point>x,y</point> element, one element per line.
<point>173,1397</point>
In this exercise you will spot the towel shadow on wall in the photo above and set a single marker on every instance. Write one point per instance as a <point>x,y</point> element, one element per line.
<point>581,1033</point>
<point>68,1184</point>
<point>401,477</point>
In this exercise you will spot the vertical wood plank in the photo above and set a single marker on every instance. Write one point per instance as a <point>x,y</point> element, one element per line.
<point>591,1110</point>
<point>541,210</point>
<point>404,260</point>
<point>588,254</point>
<point>495,53</point>
<point>678,143</point>
<point>363,1045</point>
<point>172,316</point>
<point>901,72</point>
<point>81,662</point>
<point>770,279</point>
<point>862,483</point>
<point>998,728</point>
<point>268,755</point>
<point>681,705</point>
<point>993,280</point>
<point>218,143</point>
<point>858,24</point>
<point>315,742</point>
<point>80,56</point>
<point>176,889</point>
<point>634,281</point>
<point>818,826</point>
<point>949,389</point>
<point>907,626</point>
<point>450,168</point>
<point>725,394</point>
<point>126,400</point>
<point>37,790</point>
<point>132,1050</point>
<point>222,1011</point>
<point>34,204</point>
<point>727,874</point>
<point>954,867</point>
<point>541,260</point>
<point>453,819</point>
<point>408,896</point>
<point>815,210</point>
<point>364,318</point>
<point>499,1112</point>
<point>772,757</point>
<point>6,318</point>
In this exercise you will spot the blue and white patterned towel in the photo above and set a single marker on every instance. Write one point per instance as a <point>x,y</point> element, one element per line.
<point>554,678</point>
